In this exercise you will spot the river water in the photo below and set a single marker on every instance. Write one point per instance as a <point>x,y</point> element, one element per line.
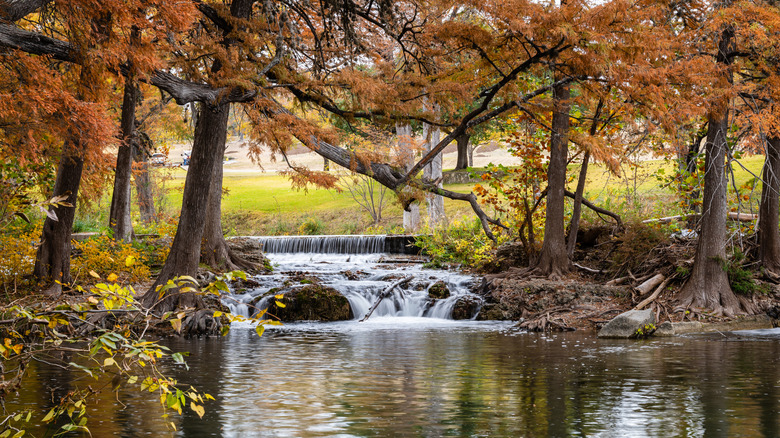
<point>397,375</point>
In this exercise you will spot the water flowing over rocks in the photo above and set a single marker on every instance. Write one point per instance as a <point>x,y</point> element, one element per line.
<point>353,273</point>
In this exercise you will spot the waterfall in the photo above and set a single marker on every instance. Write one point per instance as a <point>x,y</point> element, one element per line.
<point>359,268</point>
<point>324,244</point>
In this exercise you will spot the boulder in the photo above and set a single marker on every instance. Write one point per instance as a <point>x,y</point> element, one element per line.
<point>312,303</point>
<point>438,291</point>
<point>631,324</point>
<point>466,307</point>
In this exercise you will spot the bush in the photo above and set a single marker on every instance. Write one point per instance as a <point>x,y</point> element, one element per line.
<point>104,256</point>
<point>18,252</point>
<point>463,243</point>
<point>311,226</point>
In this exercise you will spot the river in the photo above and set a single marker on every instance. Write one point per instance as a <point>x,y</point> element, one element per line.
<point>401,375</point>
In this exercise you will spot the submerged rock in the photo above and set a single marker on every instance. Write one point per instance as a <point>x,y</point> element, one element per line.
<point>631,324</point>
<point>466,307</point>
<point>312,303</point>
<point>438,291</point>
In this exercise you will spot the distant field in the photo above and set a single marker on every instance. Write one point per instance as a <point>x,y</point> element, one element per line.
<point>265,203</point>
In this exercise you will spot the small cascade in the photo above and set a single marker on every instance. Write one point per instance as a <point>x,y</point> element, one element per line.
<point>357,268</point>
<point>324,244</point>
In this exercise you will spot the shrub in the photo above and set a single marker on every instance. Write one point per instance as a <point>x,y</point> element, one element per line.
<point>103,256</point>
<point>311,226</point>
<point>18,255</point>
<point>462,243</point>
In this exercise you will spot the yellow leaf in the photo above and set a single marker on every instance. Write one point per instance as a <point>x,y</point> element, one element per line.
<point>279,296</point>
<point>280,304</point>
<point>197,409</point>
<point>129,261</point>
<point>132,379</point>
<point>217,314</point>
<point>93,300</point>
<point>112,277</point>
<point>48,416</point>
<point>260,329</point>
<point>176,323</point>
<point>108,362</point>
<point>17,348</point>
<point>94,274</point>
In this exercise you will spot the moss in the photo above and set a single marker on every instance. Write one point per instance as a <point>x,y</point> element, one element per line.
<point>438,290</point>
<point>313,303</point>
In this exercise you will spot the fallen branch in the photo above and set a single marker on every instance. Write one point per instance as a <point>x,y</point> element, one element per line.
<point>587,269</point>
<point>648,285</point>
<point>385,293</point>
<point>652,297</point>
<point>617,281</point>
<point>597,209</point>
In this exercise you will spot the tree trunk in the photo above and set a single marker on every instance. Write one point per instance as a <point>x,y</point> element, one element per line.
<point>433,172</point>
<point>463,152</point>
<point>52,261</point>
<point>406,151</point>
<point>574,224</point>
<point>119,220</point>
<point>207,149</point>
<point>769,214</point>
<point>143,184</point>
<point>708,286</point>
<point>553,259</point>
<point>215,251</point>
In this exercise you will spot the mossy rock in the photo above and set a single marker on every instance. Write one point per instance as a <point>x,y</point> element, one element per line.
<point>438,291</point>
<point>312,303</point>
<point>466,307</point>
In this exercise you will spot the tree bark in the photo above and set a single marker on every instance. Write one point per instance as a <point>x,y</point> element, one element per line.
<point>553,259</point>
<point>215,251</point>
<point>708,286</point>
<point>143,184</point>
<point>574,224</point>
<point>207,149</point>
<point>769,214</point>
<point>433,173</point>
<point>463,160</point>
<point>52,261</point>
<point>411,213</point>
<point>119,218</point>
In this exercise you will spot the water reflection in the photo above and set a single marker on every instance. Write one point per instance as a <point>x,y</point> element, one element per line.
<point>410,377</point>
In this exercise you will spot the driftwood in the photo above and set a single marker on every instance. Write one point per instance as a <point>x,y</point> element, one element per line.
<point>587,269</point>
<point>733,215</point>
<point>652,297</point>
<point>385,293</point>
<point>617,281</point>
<point>648,285</point>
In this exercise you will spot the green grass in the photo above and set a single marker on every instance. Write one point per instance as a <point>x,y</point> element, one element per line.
<point>265,203</point>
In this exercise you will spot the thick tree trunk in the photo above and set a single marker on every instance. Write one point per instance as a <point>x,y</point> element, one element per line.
<point>119,219</point>
<point>52,261</point>
<point>207,150</point>
<point>708,286</point>
<point>553,259</point>
<point>433,172</point>
<point>143,184</point>
<point>215,251</point>
<point>463,160</point>
<point>769,214</point>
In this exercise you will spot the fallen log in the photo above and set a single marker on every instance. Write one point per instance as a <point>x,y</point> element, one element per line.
<point>732,215</point>
<point>652,297</point>
<point>385,293</point>
<point>649,284</point>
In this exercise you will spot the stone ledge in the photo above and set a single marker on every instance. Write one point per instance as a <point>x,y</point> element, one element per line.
<point>754,322</point>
